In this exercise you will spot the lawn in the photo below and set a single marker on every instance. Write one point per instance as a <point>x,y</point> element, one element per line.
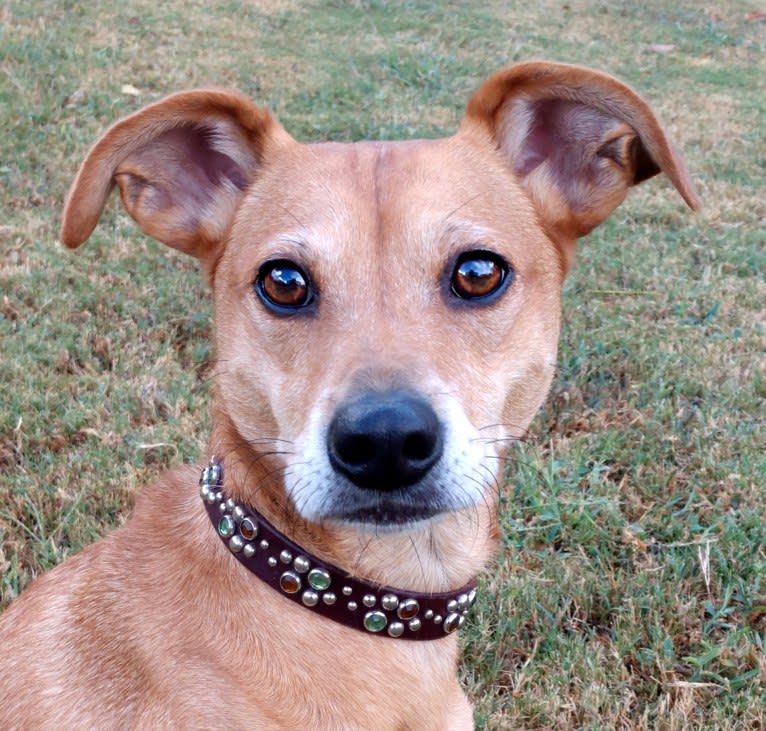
<point>631,591</point>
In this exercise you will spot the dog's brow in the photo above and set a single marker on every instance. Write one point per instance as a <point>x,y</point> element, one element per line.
<point>300,243</point>
<point>293,216</point>
<point>462,205</point>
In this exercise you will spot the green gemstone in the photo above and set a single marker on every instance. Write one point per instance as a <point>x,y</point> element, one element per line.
<point>319,579</point>
<point>226,526</point>
<point>374,621</point>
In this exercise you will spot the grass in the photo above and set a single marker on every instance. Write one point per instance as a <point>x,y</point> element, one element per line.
<point>632,589</point>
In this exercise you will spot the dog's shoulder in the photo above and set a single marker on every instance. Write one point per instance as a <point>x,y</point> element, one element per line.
<point>82,611</point>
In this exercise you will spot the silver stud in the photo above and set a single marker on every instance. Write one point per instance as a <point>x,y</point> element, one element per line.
<point>329,598</point>
<point>222,508</point>
<point>396,629</point>
<point>438,619</point>
<point>452,622</point>
<point>211,498</point>
<point>310,598</point>
<point>390,602</point>
<point>236,543</point>
<point>346,591</point>
<point>249,550</point>
<point>451,606</point>
<point>285,556</point>
<point>368,600</point>
<point>204,491</point>
<point>219,495</point>
<point>462,602</point>
<point>211,474</point>
<point>272,561</point>
<point>414,624</point>
<point>351,606</point>
<point>230,504</point>
<point>429,614</point>
<point>238,513</point>
<point>301,564</point>
<point>264,544</point>
<point>471,597</point>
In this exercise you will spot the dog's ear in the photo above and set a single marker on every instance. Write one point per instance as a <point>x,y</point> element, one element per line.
<point>576,139</point>
<point>182,166</point>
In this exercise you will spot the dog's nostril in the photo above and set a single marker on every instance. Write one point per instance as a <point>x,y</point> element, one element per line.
<point>356,450</point>
<point>384,440</point>
<point>418,446</point>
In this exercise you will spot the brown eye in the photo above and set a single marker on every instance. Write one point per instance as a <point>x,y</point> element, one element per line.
<point>479,274</point>
<point>283,286</point>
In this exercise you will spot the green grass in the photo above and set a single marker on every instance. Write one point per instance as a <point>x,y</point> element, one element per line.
<point>632,589</point>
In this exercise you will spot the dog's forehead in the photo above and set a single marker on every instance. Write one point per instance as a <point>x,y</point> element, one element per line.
<point>397,209</point>
<point>368,189</point>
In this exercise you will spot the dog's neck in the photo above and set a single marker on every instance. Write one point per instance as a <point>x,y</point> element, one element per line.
<point>443,555</point>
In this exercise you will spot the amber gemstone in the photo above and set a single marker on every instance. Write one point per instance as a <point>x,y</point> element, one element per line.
<point>290,582</point>
<point>248,529</point>
<point>408,609</point>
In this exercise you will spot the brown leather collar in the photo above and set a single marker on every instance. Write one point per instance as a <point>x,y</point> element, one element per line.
<point>321,587</point>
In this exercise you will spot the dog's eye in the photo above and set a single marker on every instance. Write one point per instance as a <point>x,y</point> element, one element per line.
<point>479,274</point>
<point>283,285</point>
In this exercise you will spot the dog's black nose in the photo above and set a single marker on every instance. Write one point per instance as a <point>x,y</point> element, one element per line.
<point>384,440</point>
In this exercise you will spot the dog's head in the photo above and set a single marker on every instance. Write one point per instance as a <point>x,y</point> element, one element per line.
<point>387,312</point>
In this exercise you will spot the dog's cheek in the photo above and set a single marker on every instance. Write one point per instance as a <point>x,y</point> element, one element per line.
<point>244,375</point>
<point>526,395</point>
<point>240,386</point>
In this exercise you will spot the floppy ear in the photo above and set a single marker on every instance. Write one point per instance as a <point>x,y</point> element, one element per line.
<point>576,139</point>
<point>182,166</point>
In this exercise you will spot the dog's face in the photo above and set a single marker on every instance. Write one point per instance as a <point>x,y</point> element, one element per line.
<point>373,310</point>
<point>387,314</point>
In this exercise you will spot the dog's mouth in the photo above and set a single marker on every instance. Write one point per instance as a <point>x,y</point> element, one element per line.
<point>397,511</point>
<point>387,516</point>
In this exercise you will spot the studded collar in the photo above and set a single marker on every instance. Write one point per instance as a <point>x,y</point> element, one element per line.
<point>321,587</point>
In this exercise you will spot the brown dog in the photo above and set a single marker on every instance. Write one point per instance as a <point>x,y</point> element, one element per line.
<point>387,316</point>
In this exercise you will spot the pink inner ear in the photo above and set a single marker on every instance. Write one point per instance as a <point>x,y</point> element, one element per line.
<point>185,165</point>
<point>181,187</point>
<point>181,168</point>
<point>581,146</point>
<point>542,139</point>
<point>213,164</point>
<point>568,134</point>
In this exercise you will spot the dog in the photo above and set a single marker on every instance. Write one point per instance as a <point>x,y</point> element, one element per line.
<point>386,325</point>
